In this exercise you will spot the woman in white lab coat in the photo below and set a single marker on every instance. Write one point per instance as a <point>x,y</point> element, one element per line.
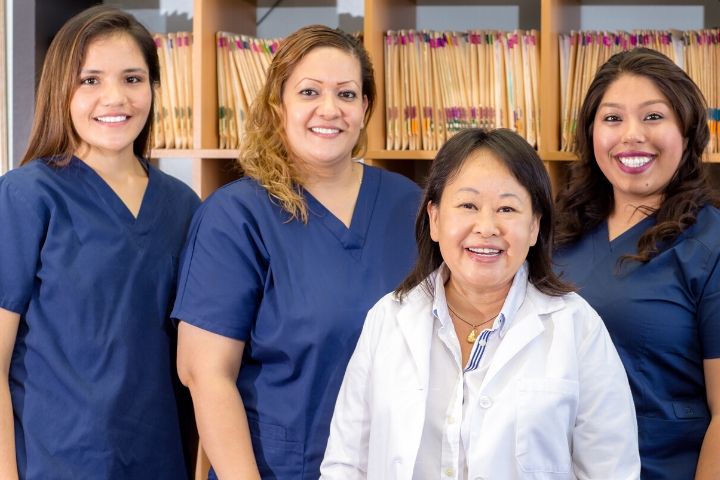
<point>482,364</point>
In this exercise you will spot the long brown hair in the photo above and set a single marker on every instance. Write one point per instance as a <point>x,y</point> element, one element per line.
<point>587,200</point>
<point>53,135</point>
<point>264,151</point>
<point>525,165</point>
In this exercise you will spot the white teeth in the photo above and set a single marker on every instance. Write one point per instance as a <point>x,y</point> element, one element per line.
<point>325,131</point>
<point>635,162</point>
<point>116,119</point>
<point>484,251</point>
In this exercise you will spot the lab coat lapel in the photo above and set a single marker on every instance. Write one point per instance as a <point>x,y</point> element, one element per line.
<point>526,326</point>
<point>416,327</point>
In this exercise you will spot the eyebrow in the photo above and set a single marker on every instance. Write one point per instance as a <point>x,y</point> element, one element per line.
<point>127,70</point>
<point>344,82</point>
<point>476,192</point>
<point>643,104</point>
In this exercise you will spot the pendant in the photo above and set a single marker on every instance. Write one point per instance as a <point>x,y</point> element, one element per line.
<point>472,336</point>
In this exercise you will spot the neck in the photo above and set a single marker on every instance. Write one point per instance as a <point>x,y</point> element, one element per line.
<point>628,212</point>
<point>475,305</point>
<point>339,175</point>
<point>113,166</point>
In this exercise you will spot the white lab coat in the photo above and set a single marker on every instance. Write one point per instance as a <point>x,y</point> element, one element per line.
<point>556,399</point>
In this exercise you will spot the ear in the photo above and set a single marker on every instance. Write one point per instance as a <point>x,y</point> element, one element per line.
<point>432,211</point>
<point>534,229</point>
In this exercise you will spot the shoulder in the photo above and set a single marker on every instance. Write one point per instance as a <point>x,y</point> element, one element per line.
<point>706,228</point>
<point>394,182</point>
<point>700,243</point>
<point>565,311</point>
<point>177,188</point>
<point>243,191</point>
<point>36,184</point>
<point>30,174</point>
<point>240,204</point>
<point>386,312</point>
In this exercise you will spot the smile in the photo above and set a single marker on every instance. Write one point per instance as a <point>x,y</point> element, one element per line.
<point>113,119</point>
<point>325,131</point>
<point>485,251</point>
<point>635,162</point>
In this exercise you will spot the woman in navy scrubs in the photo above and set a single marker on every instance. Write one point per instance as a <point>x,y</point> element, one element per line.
<point>89,237</point>
<point>282,266</point>
<point>639,234</point>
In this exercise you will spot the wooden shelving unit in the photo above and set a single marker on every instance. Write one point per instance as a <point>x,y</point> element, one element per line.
<point>213,167</point>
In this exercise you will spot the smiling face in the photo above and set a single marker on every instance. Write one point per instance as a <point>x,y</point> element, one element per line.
<point>484,225</point>
<point>324,108</point>
<point>637,140</point>
<point>112,101</point>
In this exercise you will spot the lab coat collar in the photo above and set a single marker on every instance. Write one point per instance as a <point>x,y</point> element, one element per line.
<point>523,322</point>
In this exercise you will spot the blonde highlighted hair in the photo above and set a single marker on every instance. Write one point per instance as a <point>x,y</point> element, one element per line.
<point>265,153</point>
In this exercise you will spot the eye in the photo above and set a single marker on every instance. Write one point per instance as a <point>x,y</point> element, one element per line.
<point>134,79</point>
<point>654,116</point>
<point>468,206</point>
<point>308,92</point>
<point>612,118</point>
<point>89,81</point>
<point>506,209</point>
<point>348,95</point>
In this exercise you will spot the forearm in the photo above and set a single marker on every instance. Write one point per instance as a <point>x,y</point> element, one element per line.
<point>223,428</point>
<point>709,463</point>
<point>8,463</point>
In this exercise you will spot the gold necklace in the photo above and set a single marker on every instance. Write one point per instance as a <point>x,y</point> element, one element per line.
<point>472,336</point>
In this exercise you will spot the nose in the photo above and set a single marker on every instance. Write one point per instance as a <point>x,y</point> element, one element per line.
<point>329,106</point>
<point>113,94</point>
<point>634,131</point>
<point>486,224</point>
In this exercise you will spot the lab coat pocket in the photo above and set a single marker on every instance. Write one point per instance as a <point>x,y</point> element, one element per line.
<point>546,411</point>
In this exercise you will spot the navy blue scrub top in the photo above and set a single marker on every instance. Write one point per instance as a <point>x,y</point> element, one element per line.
<point>664,319</point>
<point>91,373</point>
<point>297,294</point>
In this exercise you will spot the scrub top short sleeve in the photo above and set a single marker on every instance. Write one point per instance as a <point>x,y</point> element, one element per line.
<point>223,269</point>
<point>21,232</point>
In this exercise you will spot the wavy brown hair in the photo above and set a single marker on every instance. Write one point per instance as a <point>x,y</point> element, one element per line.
<point>53,135</point>
<point>265,153</point>
<point>525,165</point>
<point>587,199</point>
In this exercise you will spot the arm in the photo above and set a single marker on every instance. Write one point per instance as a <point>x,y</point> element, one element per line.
<point>9,322</point>
<point>346,455</point>
<point>208,364</point>
<point>605,437</point>
<point>709,463</point>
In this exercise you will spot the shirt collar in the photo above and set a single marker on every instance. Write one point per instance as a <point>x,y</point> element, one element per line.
<point>513,301</point>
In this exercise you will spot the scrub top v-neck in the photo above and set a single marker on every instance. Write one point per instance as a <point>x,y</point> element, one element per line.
<point>297,295</point>
<point>662,317</point>
<point>91,377</point>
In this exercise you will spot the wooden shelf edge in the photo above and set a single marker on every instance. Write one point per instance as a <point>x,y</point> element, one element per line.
<point>400,154</point>
<point>194,153</point>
